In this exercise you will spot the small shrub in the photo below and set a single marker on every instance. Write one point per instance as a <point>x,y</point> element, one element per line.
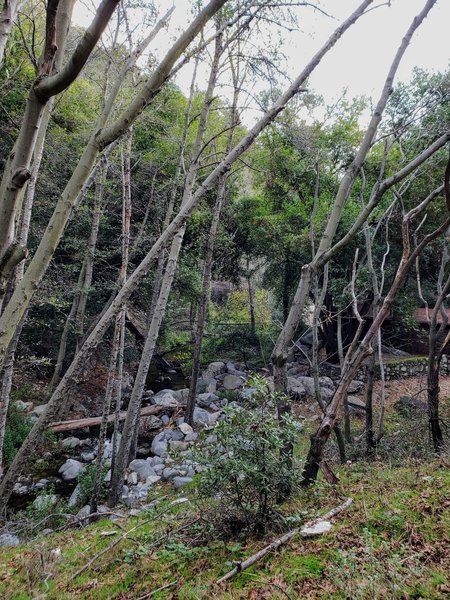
<point>17,428</point>
<point>244,471</point>
<point>86,482</point>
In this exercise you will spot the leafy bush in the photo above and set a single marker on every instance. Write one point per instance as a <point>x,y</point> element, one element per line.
<point>17,428</point>
<point>244,471</point>
<point>86,482</point>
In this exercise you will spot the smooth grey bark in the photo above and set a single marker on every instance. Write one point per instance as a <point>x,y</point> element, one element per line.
<point>133,281</point>
<point>7,16</point>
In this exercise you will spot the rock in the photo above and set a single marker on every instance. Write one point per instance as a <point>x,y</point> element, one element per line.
<point>150,423</point>
<point>356,405</point>
<point>205,400</point>
<point>166,398</point>
<point>107,477</point>
<point>41,484</point>
<point>142,468</point>
<point>232,382</point>
<point>132,478</point>
<point>191,437</point>
<point>45,501</point>
<point>316,528</point>
<point>206,384</point>
<point>326,387</point>
<point>296,389</point>
<point>215,368</point>
<point>408,404</point>
<point>182,396</point>
<point>201,416</point>
<point>152,479</point>
<point>159,445</point>
<point>70,443</point>
<point>170,473</point>
<point>177,445</point>
<point>83,513</point>
<point>24,406</point>
<point>186,429</point>
<point>75,497</point>
<point>38,410</point>
<point>71,469</point>
<point>165,419</point>
<point>355,386</point>
<point>155,460</point>
<point>173,434</point>
<point>9,539</point>
<point>179,482</point>
<point>87,456</point>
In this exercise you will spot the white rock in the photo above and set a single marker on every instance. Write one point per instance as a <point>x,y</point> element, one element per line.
<point>71,469</point>
<point>185,428</point>
<point>317,528</point>
<point>8,539</point>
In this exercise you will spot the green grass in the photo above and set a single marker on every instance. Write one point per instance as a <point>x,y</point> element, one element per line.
<point>393,542</point>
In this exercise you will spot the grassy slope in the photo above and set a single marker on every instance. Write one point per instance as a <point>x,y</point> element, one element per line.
<point>392,543</point>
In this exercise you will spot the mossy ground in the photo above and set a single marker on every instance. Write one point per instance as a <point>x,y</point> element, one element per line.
<point>393,542</point>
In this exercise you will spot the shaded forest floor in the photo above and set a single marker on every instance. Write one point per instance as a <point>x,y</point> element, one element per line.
<point>393,542</point>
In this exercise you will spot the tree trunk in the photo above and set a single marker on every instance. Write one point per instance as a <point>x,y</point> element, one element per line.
<point>7,16</point>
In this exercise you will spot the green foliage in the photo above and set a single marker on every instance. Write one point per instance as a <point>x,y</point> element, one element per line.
<point>244,468</point>
<point>17,428</point>
<point>86,483</point>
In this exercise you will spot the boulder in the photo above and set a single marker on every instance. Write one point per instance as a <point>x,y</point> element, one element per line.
<point>215,368</point>
<point>177,445</point>
<point>355,386</point>
<point>24,406</point>
<point>206,399</point>
<point>75,497</point>
<point>9,539</point>
<point>182,396</point>
<point>70,443</point>
<point>87,456</point>
<point>206,384</point>
<point>159,445</point>
<point>296,389</point>
<point>232,382</point>
<point>71,469</point>
<point>38,410</point>
<point>179,482</point>
<point>142,468</point>
<point>150,423</point>
<point>170,473</point>
<point>356,405</point>
<point>409,404</point>
<point>132,478</point>
<point>45,501</point>
<point>186,429</point>
<point>201,416</point>
<point>166,398</point>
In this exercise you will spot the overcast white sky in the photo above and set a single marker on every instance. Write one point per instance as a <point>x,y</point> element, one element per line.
<point>360,59</point>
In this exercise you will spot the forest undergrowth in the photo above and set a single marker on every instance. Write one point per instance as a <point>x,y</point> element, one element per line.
<point>391,543</point>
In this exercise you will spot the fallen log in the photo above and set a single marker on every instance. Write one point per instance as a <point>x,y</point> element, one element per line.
<point>308,530</point>
<point>60,426</point>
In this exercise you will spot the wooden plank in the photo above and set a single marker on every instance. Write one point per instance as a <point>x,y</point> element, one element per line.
<point>61,426</point>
